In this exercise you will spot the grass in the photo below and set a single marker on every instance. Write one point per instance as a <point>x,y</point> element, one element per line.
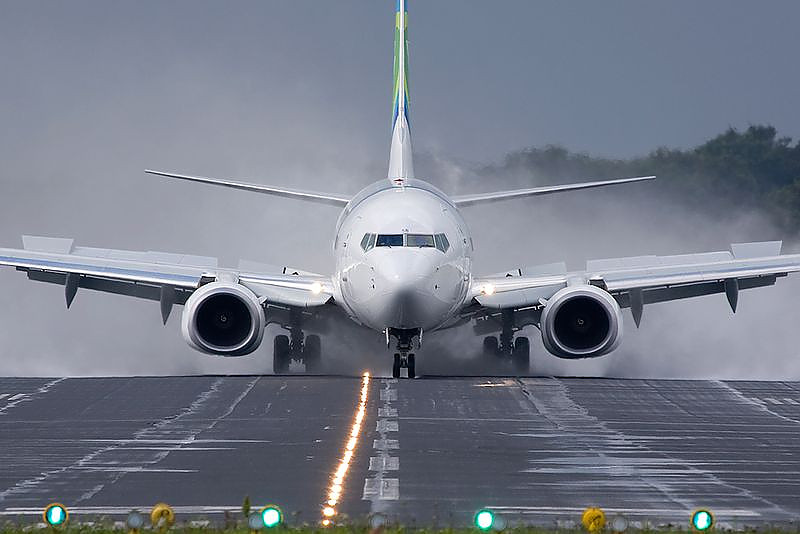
<point>109,527</point>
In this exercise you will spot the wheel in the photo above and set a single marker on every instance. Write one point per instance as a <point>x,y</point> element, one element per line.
<point>280,355</point>
<point>491,347</point>
<point>396,366</point>
<point>411,366</point>
<point>521,355</point>
<point>312,352</point>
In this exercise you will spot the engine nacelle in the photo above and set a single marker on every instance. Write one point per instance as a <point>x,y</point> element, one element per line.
<point>581,322</point>
<point>223,318</point>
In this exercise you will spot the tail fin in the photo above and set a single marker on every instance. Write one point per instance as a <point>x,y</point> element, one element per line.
<point>401,163</point>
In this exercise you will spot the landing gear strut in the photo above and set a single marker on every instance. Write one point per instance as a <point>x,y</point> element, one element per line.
<point>404,358</point>
<point>297,346</point>
<point>517,350</point>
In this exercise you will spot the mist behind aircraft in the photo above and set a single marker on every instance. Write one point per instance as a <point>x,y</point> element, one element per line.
<point>85,111</point>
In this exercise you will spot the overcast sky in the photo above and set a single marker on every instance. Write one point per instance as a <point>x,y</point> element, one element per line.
<point>297,92</point>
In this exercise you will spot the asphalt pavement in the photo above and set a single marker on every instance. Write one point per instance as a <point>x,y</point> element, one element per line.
<point>429,451</point>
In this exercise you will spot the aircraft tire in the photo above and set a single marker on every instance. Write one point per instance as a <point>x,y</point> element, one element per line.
<point>521,355</point>
<point>412,370</point>
<point>312,354</point>
<point>281,355</point>
<point>396,366</point>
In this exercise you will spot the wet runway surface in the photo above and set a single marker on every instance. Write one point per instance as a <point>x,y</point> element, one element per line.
<point>428,452</point>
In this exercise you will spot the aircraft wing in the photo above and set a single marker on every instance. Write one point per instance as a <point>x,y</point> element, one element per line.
<point>485,198</point>
<point>637,281</point>
<point>312,196</point>
<point>165,277</point>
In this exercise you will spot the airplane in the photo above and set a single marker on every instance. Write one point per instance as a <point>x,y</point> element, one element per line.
<point>403,268</point>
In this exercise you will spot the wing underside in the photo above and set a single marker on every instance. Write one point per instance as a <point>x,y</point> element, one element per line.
<point>637,281</point>
<point>159,276</point>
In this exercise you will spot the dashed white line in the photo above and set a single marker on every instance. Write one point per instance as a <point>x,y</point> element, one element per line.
<point>385,444</point>
<point>384,463</point>
<point>385,425</point>
<point>386,489</point>
<point>380,488</point>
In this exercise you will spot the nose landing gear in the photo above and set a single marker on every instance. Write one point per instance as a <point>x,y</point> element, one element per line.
<point>403,358</point>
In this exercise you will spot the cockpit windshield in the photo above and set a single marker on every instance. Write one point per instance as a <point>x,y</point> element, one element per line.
<point>419,240</point>
<point>438,241</point>
<point>389,240</point>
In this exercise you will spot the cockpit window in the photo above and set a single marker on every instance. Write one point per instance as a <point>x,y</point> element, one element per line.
<point>419,240</point>
<point>441,242</point>
<point>389,240</point>
<point>367,242</point>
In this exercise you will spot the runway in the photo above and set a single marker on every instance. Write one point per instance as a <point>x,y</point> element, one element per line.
<point>430,451</point>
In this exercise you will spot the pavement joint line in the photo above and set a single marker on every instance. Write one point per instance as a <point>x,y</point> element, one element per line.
<point>381,488</point>
<point>337,482</point>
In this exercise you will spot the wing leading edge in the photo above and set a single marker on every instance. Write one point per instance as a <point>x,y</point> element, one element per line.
<point>485,198</point>
<point>166,277</point>
<point>320,198</point>
<point>637,281</point>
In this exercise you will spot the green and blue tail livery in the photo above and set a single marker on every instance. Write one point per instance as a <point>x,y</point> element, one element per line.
<point>401,165</point>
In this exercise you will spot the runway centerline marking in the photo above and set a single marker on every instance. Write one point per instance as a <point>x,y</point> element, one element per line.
<point>339,478</point>
<point>380,488</point>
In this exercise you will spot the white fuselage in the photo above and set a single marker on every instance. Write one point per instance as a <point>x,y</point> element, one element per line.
<point>393,269</point>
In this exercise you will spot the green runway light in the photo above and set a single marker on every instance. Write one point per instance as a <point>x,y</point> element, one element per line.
<point>702,520</point>
<point>484,519</point>
<point>55,515</point>
<point>271,516</point>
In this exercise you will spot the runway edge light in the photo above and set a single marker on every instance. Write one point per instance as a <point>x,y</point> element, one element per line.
<point>484,519</point>
<point>702,520</point>
<point>162,516</point>
<point>593,519</point>
<point>134,521</point>
<point>271,516</point>
<point>55,514</point>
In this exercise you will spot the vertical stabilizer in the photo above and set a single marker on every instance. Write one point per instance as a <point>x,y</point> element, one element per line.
<point>401,163</point>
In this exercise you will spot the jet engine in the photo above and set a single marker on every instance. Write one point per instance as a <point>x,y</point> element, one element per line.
<point>581,322</point>
<point>223,318</point>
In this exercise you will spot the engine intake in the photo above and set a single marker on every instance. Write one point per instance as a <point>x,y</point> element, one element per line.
<point>581,322</point>
<point>223,318</point>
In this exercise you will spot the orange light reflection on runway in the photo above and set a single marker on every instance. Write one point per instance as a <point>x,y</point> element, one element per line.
<point>340,475</point>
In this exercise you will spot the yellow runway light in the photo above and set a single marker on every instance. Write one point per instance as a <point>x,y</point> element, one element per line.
<point>593,519</point>
<point>162,516</point>
<point>337,480</point>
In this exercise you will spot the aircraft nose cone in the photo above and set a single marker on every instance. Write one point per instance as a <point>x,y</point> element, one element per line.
<point>406,288</point>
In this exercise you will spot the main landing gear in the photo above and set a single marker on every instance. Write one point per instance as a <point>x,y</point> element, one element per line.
<point>404,358</point>
<point>299,347</point>
<point>518,350</point>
